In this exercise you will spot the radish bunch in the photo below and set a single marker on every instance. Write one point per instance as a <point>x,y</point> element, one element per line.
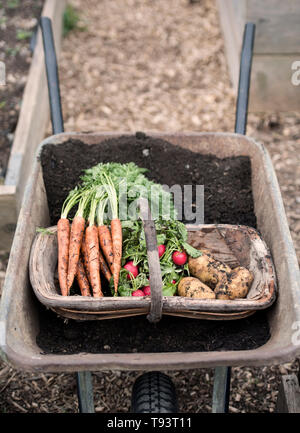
<point>146,291</point>
<point>173,252</point>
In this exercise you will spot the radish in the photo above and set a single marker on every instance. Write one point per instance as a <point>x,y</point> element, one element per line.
<point>138,292</point>
<point>161,250</point>
<point>179,258</point>
<point>130,267</point>
<point>147,290</point>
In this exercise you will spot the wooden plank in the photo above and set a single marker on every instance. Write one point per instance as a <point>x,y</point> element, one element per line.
<point>8,215</point>
<point>232,29</point>
<point>288,400</point>
<point>271,84</point>
<point>31,127</point>
<point>276,47</point>
<point>277,25</point>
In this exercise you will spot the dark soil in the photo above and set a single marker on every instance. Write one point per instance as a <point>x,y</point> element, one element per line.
<point>228,199</point>
<point>136,334</point>
<point>227,182</point>
<point>17,27</point>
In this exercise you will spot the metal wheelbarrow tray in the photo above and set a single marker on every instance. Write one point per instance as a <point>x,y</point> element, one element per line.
<point>19,320</point>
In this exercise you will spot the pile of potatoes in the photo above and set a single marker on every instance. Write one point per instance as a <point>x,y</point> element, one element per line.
<point>212,279</point>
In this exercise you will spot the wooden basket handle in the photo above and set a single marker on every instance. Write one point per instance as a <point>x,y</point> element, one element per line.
<point>155,313</point>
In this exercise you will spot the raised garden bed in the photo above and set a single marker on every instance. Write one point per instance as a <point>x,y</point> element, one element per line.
<point>24,104</point>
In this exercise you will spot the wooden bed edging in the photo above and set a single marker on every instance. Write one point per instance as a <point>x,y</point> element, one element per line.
<point>31,128</point>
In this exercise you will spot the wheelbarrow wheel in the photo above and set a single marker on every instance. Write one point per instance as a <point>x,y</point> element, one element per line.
<point>154,392</point>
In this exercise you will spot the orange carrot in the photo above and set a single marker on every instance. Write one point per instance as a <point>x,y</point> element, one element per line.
<point>92,243</point>
<point>63,236</point>
<point>63,240</point>
<point>85,258</point>
<point>104,267</point>
<point>105,235</point>
<point>116,234</point>
<point>82,279</point>
<point>116,228</point>
<point>106,245</point>
<point>77,231</point>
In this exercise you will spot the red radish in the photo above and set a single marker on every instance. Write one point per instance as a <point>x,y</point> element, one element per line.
<point>130,267</point>
<point>138,293</point>
<point>147,290</point>
<point>179,258</point>
<point>173,281</point>
<point>161,250</point>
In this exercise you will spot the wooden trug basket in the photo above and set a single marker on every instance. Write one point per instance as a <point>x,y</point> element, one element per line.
<point>233,245</point>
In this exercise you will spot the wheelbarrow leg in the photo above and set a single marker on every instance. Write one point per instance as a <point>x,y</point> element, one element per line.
<point>221,390</point>
<point>85,392</point>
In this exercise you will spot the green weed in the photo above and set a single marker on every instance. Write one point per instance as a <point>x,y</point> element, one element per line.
<point>23,34</point>
<point>71,20</point>
<point>13,4</point>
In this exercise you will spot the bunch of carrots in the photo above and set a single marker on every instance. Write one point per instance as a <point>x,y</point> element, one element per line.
<point>87,246</point>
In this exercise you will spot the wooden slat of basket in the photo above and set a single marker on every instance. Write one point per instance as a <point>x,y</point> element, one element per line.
<point>79,315</point>
<point>89,315</point>
<point>211,239</point>
<point>211,316</point>
<point>130,311</point>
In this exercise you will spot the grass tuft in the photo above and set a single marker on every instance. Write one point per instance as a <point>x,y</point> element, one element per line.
<point>71,20</point>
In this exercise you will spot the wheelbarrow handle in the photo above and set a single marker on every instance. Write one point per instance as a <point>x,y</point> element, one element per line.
<point>244,79</point>
<point>156,283</point>
<point>52,76</point>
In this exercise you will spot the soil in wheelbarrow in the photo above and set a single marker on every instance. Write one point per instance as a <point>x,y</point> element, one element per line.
<point>227,182</point>
<point>228,199</point>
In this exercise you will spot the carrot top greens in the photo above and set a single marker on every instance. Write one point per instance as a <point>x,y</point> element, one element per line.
<point>130,179</point>
<point>111,194</point>
<point>71,200</point>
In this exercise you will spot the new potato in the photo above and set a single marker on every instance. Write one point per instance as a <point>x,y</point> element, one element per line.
<point>207,269</point>
<point>193,288</point>
<point>234,285</point>
<point>239,282</point>
<point>221,290</point>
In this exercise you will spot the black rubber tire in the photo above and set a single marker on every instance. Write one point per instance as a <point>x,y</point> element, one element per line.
<point>154,392</point>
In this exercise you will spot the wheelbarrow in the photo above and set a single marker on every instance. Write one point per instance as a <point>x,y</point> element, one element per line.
<point>19,317</point>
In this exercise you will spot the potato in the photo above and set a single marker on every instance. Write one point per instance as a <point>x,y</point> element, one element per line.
<point>239,282</point>
<point>234,285</point>
<point>193,288</point>
<point>221,290</point>
<point>207,269</point>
